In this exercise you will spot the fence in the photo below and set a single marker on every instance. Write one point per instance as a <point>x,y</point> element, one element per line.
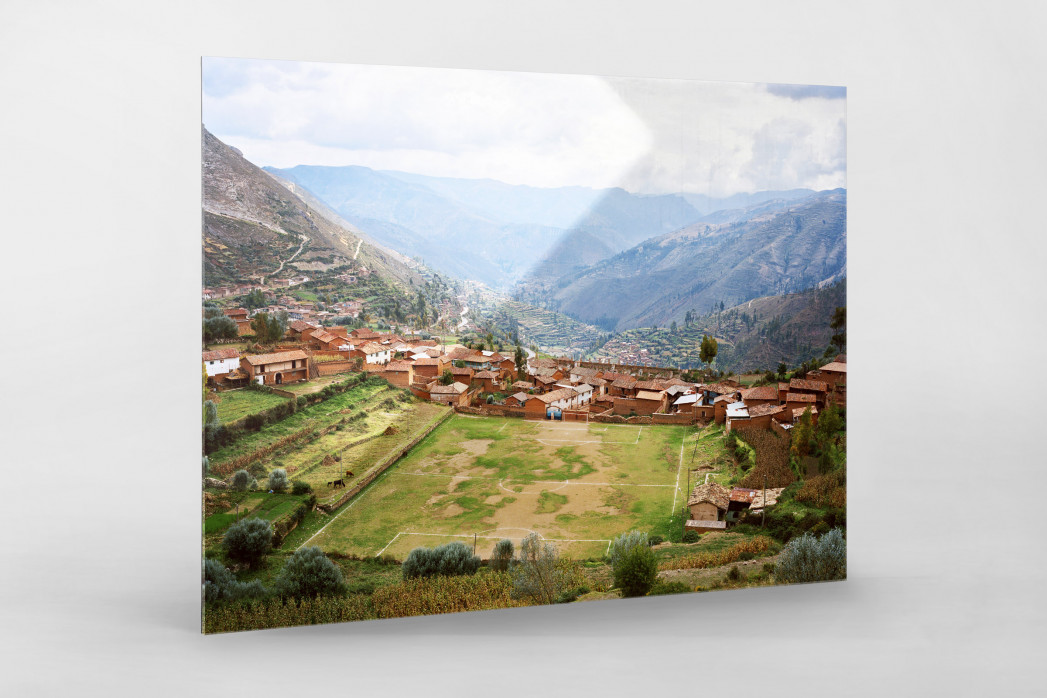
<point>330,368</point>
<point>383,466</point>
<point>678,418</point>
<point>491,410</point>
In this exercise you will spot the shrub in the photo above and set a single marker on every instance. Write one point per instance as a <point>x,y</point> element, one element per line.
<point>734,574</point>
<point>655,540</point>
<point>636,571</point>
<point>450,559</point>
<point>571,594</point>
<point>536,575</point>
<point>812,559</point>
<point>502,555</point>
<point>624,543</point>
<point>301,488</point>
<point>248,540</point>
<point>242,480</point>
<point>661,588</point>
<point>254,422</point>
<point>691,536</point>
<point>207,466</point>
<point>309,573</point>
<point>278,480</point>
<point>221,585</point>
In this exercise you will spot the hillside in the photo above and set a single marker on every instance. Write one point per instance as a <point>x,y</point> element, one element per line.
<point>255,228</point>
<point>773,249</point>
<point>754,335</point>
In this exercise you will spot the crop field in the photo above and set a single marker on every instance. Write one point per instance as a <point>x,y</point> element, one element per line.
<point>576,485</point>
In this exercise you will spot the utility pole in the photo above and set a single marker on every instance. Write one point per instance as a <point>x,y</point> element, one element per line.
<point>474,544</point>
<point>763,514</point>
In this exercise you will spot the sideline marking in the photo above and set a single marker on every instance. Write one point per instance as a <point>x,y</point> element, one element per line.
<point>676,491</point>
<point>472,535</point>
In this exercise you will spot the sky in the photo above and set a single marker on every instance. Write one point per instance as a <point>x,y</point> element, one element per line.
<point>648,136</point>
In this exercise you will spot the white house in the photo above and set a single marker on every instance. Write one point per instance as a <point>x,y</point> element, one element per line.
<point>221,361</point>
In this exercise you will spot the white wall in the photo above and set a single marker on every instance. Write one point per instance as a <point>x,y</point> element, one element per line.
<point>946,148</point>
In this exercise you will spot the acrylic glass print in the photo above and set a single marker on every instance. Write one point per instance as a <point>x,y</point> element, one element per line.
<point>477,340</point>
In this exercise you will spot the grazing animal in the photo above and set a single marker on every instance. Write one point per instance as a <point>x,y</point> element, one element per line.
<point>339,483</point>
<point>348,473</point>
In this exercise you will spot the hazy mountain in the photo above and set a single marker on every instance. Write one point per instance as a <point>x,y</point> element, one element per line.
<point>755,335</point>
<point>791,246</point>
<point>256,227</point>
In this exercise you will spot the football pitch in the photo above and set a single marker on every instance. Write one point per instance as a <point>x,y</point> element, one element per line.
<point>482,479</point>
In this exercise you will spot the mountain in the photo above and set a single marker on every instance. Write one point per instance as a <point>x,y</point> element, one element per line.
<point>786,247</point>
<point>753,336</point>
<point>255,227</point>
<point>490,231</point>
<point>421,223</point>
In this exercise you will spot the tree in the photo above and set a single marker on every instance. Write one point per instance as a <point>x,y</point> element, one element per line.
<point>626,542</point>
<point>269,328</point>
<point>839,325</point>
<point>812,559</point>
<point>502,555</point>
<point>254,299</point>
<point>220,327</point>
<point>829,422</point>
<point>446,378</point>
<point>782,369</point>
<point>220,584</point>
<point>242,480</point>
<point>248,541</point>
<point>537,575</point>
<point>707,352</point>
<point>278,480</point>
<point>636,571</point>
<point>672,327</point>
<point>802,435</point>
<point>309,573</point>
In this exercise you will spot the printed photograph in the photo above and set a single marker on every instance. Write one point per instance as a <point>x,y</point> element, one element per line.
<point>479,340</point>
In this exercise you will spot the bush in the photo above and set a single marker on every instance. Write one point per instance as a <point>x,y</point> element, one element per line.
<point>626,542</point>
<point>221,585</point>
<point>734,574</point>
<point>655,540</point>
<point>571,594</point>
<point>301,488</point>
<point>812,559</point>
<point>537,576</point>
<point>502,555</point>
<point>661,588</point>
<point>636,571</point>
<point>450,559</point>
<point>207,466</point>
<point>278,480</point>
<point>309,573</point>
<point>690,536</point>
<point>242,481</point>
<point>248,540</point>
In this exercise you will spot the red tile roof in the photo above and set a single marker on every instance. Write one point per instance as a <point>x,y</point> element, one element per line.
<point>764,392</point>
<point>219,354</point>
<point>801,384</point>
<point>278,357</point>
<point>712,493</point>
<point>835,367</point>
<point>800,397</point>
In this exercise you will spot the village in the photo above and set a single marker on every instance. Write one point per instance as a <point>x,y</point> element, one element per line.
<point>483,382</point>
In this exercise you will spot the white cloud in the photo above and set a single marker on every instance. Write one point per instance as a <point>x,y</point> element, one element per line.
<point>527,128</point>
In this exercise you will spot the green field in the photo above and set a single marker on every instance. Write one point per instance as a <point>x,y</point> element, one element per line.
<point>237,404</point>
<point>577,485</point>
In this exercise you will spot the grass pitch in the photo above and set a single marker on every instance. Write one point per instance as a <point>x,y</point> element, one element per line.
<point>490,478</point>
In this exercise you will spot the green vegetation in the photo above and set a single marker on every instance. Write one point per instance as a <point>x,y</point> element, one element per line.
<point>308,573</point>
<point>450,559</point>
<point>233,405</point>
<point>635,571</point>
<point>813,559</point>
<point>248,541</point>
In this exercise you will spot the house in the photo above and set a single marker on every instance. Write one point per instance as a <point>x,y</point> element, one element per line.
<point>834,374</point>
<point>278,368</point>
<point>581,374</point>
<point>399,373</point>
<point>813,387</point>
<point>763,395</point>
<point>221,361</point>
<point>522,386</point>
<point>649,402</point>
<point>454,394</point>
<point>430,369</point>
<point>800,400</point>
<point>236,313</point>
<point>549,405</point>
<point>364,333</point>
<point>298,329</point>
<point>623,387</point>
<point>489,379</point>
<point>462,375</point>
<point>517,399</point>
<point>757,416</point>
<point>685,403</point>
<point>708,505</point>
<point>371,353</point>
